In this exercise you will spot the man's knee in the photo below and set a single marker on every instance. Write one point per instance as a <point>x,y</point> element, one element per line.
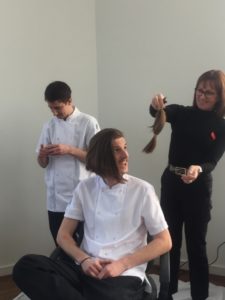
<point>23,265</point>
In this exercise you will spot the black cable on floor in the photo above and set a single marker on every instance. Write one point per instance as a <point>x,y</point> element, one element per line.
<point>217,253</point>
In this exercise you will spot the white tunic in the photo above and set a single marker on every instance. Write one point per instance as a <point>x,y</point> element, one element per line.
<point>64,172</point>
<point>116,220</point>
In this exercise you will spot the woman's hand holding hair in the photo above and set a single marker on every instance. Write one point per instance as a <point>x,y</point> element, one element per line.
<point>158,101</point>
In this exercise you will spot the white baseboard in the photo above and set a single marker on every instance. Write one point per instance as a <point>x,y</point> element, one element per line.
<point>217,270</point>
<point>6,270</point>
<point>213,269</point>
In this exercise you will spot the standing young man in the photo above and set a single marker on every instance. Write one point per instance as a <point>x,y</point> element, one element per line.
<point>62,149</point>
<point>118,210</point>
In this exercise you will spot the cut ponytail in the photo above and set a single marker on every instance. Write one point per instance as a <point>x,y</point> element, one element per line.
<point>160,120</point>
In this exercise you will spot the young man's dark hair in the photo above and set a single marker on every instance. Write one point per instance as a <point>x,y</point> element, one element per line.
<point>57,90</point>
<point>100,157</point>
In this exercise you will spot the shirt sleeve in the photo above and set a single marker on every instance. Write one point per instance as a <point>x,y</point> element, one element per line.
<point>92,128</point>
<point>74,209</point>
<point>217,150</point>
<point>171,111</point>
<point>152,213</point>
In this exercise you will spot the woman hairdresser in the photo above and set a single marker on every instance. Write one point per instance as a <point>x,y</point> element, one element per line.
<point>197,144</point>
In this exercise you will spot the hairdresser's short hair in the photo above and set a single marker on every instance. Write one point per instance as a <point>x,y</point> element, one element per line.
<point>57,90</point>
<point>100,158</point>
<point>217,77</point>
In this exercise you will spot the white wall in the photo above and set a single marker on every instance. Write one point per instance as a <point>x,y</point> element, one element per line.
<point>41,41</point>
<point>144,47</point>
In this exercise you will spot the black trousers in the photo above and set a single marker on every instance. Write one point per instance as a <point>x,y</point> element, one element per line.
<point>55,220</point>
<point>41,278</point>
<point>188,207</point>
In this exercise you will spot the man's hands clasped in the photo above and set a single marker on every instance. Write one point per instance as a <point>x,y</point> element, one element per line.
<point>102,268</point>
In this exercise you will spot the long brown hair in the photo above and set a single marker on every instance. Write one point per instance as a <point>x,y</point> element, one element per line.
<point>160,120</point>
<point>100,158</point>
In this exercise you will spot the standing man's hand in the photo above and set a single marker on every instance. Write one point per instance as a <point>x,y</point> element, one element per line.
<point>43,156</point>
<point>58,149</point>
<point>63,149</point>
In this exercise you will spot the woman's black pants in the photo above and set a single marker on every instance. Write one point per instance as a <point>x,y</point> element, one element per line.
<point>187,207</point>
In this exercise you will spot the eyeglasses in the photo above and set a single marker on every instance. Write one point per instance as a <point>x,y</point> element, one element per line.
<point>207,94</point>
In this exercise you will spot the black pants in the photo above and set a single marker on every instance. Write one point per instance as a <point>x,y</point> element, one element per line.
<point>55,220</point>
<point>188,206</point>
<point>41,278</point>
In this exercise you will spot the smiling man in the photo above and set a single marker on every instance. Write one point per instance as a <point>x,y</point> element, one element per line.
<point>118,210</point>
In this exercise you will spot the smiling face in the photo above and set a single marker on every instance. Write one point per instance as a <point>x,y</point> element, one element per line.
<point>206,95</point>
<point>119,147</point>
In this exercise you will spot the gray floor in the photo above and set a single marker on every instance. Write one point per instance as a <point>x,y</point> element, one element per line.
<point>215,292</point>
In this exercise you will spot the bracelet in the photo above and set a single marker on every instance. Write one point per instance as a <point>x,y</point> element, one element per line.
<point>83,260</point>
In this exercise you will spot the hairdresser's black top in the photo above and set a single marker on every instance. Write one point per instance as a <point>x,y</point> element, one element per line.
<point>197,138</point>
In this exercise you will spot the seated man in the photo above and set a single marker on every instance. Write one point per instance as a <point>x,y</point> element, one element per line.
<point>118,210</point>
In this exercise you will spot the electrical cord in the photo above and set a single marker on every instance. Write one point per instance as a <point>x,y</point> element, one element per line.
<point>217,253</point>
<point>212,262</point>
<point>183,264</point>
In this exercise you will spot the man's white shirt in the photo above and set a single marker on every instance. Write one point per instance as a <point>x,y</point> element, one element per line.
<point>116,220</point>
<point>64,172</point>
